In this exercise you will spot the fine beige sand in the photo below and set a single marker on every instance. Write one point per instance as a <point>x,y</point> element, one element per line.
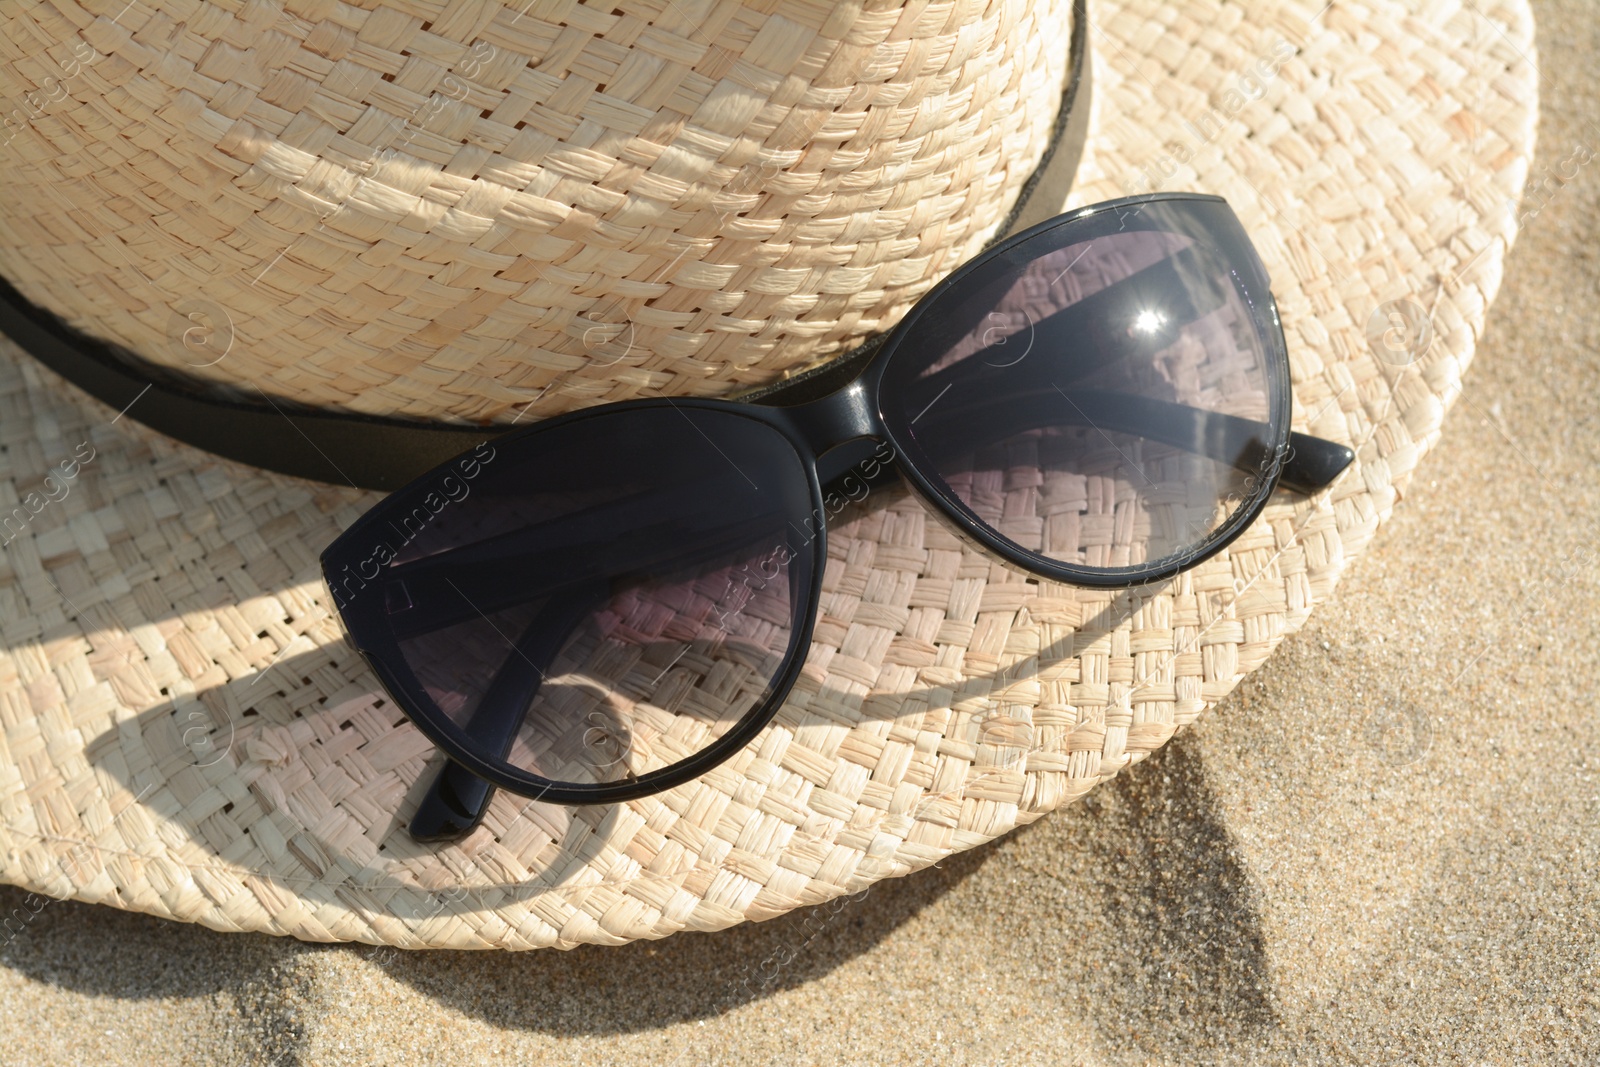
<point>1394,862</point>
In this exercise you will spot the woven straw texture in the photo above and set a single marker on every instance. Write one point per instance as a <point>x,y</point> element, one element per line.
<point>480,210</point>
<point>185,734</point>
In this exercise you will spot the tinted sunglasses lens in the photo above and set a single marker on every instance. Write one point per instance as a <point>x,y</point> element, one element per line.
<point>1077,397</point>
<point>597,601</point>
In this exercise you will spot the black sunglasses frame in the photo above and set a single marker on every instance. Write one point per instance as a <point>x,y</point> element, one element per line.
<point>1113,216</point>
<point>816,429</point>
<point>363,619</point>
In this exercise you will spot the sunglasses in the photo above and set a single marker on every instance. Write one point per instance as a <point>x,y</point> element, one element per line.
<point>613,602</point>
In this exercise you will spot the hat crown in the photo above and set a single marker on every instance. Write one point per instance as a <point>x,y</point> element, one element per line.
<point>493,210</point>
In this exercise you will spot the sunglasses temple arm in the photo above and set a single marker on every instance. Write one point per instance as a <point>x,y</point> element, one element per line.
<point>1310,463</point>
<point>457,799</point>
<point>459,584</point>
<point>1083,328</point>
<point>1314,463</point>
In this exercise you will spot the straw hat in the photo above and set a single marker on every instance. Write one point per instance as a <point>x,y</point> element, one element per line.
<point>182,731</point>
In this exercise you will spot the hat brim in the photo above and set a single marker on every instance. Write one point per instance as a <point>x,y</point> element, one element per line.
<point>184,732</point>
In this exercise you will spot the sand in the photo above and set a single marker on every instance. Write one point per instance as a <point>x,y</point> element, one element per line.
<point>1393,864</point>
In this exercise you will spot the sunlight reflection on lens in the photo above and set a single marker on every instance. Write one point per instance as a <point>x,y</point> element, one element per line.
<point>1149,321</point>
